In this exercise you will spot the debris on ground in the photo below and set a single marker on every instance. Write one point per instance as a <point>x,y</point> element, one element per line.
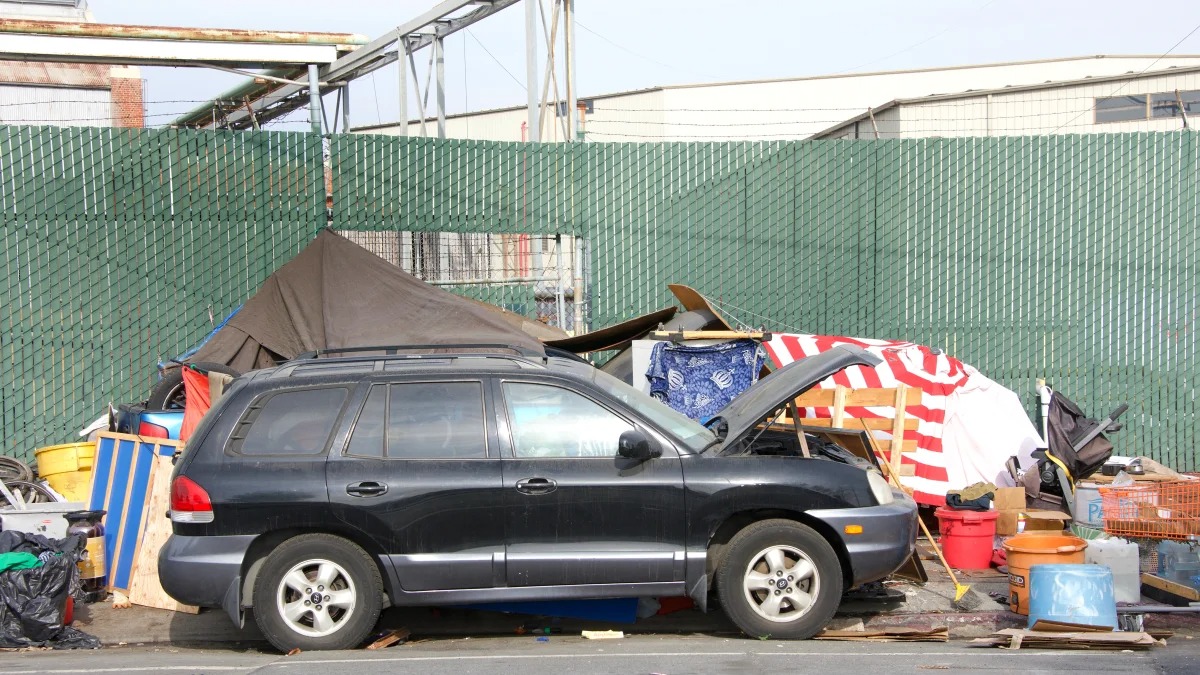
<point>390,638</point>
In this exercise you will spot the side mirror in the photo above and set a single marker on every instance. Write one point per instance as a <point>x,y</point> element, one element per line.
<point>634,445</point>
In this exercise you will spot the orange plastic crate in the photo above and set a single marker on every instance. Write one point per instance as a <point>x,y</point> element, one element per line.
<point>1168,510</point>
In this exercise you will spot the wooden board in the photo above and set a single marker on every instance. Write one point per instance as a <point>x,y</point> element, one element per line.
<point>144,587</point>
<point>1186,593</point>
<point>1144,478</point>
<point>823,398</point>
<point>874,424</point>
<point>709,335</point>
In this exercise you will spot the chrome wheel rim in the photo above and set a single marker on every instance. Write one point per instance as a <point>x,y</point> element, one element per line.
<point>781,583</point>
<point>316,598</point>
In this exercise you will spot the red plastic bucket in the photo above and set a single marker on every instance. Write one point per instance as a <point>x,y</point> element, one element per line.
<point>967,537</point>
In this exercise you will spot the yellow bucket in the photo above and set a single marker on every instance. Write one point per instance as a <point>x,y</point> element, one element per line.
<point>67,468</point>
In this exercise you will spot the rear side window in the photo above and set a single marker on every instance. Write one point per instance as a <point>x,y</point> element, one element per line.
<point>421,420</point>
<point>289,423</point>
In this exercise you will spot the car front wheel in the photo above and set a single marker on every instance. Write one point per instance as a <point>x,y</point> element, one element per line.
<point>317,592</point>
<point>779,579</point>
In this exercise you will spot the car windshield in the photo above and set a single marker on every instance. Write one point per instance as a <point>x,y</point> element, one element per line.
<point>693,434</point>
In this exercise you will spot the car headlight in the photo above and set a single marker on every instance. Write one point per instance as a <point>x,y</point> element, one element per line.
<point>880,488</point>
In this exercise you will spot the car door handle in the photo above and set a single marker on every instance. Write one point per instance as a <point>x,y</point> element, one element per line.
<point>536,486</point>
<point>367,488</point>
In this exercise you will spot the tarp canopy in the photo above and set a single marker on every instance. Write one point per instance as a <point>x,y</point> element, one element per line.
<point>336,294</point>
<point>968,424</point>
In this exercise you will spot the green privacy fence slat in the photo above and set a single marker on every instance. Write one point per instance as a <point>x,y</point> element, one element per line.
<point>1072,258</point>
<point>118,247</point>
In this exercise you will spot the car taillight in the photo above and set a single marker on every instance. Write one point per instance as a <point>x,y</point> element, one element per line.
<point>189,502</point>
<point>152,431</point>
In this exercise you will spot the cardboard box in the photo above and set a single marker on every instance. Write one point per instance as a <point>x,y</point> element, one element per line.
<point>1006,522</point>
<point>1008,499</point>
<point>1015,521</point>
<point>1053,521</point>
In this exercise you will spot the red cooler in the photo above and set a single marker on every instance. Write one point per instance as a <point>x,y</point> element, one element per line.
<point>967,537</point>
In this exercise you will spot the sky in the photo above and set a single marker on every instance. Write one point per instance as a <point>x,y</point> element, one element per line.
<point>633,44</point>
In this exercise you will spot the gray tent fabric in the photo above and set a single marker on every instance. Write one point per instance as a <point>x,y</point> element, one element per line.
<point>336,294</point>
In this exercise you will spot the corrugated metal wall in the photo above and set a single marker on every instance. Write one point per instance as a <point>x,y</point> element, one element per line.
<point>29,104</point>
<point>1073,258</point>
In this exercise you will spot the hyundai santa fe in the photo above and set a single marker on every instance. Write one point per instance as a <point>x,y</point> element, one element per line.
<point>320,491</point>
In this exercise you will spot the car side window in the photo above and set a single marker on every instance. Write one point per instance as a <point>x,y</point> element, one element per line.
<point>289,423</point>
<point>367,438</point>
<point>550,421</point>
<point>435,420</point>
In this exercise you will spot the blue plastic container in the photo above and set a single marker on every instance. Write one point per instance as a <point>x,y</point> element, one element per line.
<point>1072,594</point>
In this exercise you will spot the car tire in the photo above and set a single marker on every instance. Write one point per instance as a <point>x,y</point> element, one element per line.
<point>337,614</point>
<point>779,579</point>
<point>167,393</point>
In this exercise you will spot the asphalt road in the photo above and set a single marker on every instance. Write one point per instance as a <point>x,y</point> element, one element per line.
<point>668,655</point>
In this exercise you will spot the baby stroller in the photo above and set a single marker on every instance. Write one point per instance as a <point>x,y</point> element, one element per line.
<point>1077,449</point>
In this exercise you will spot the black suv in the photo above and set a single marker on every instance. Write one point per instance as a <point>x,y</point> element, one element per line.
<point>320,491</point>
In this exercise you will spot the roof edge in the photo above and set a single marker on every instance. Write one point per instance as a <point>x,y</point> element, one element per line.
<point>1013,89</point>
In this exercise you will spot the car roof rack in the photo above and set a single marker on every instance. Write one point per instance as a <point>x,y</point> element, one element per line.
<point>396,350</point>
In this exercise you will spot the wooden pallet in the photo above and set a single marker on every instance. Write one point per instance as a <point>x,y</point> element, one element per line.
<point>898,399</point>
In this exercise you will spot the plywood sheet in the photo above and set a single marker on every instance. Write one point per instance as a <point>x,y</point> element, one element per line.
<point>144,586</point>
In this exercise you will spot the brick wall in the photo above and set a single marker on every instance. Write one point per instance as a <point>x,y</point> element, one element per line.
<point>128,109</point>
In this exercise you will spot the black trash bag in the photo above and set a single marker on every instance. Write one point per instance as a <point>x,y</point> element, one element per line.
<point>32,602</point>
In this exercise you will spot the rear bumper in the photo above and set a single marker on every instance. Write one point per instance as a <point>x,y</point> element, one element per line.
<point>205,571</point>
<point>889,536</point>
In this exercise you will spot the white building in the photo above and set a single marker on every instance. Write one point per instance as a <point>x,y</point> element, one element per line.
<point>1156,100</point>
<point>1027,97</point>
<point>66,94</point>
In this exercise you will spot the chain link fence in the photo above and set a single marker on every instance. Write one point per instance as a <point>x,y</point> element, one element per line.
<point>1072,258</point>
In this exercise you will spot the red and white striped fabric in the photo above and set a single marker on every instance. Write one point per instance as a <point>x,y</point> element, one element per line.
<point>942,379</point>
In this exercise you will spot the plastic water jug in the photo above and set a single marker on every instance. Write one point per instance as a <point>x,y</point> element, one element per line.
<point>1179,562</point>
<point>1121,557</point>
<point>1087,505</point>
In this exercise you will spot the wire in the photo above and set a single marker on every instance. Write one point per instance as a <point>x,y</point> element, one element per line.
<point>489,53</point>
<point>642,56</point>
<point>375,87</point>
<point>931,38</point>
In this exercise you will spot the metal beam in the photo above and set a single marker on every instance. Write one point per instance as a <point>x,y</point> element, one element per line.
<point>314,98</point>
<point>140,32</point>
<point>402,61</point>
<point>439,55</point>
<point>535,127</point>
<point>440,22</point>
<point>119,51</point>
<point>572,105</point>
<point>346,108</point>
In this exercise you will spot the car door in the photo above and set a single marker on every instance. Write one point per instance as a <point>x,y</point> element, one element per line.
<point>575,511</point>
<point>420,475</point>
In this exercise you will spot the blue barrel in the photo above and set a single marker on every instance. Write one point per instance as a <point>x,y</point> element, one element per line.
<point>1072,594</point>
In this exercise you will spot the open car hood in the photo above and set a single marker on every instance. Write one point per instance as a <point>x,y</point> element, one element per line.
<point>785,384</point>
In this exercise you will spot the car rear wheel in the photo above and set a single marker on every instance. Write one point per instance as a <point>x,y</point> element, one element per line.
<point>781,579</point>
<point>168,393</point>
<point>316,592</point>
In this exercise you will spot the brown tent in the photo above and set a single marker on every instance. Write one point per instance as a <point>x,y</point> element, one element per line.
<point>336,294</point>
